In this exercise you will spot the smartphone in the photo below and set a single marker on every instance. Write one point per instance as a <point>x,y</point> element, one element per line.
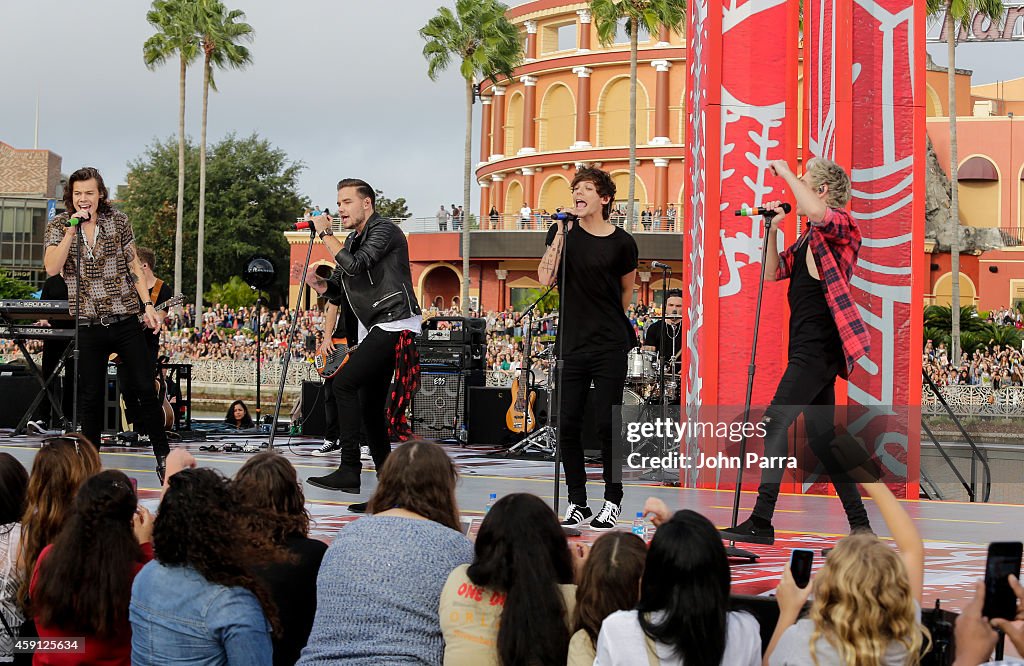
<point>1003,560</point>
<point>800,562</point>
<point>135,484</point>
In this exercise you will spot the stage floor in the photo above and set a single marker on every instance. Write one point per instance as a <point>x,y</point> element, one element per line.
<point>956,534</point>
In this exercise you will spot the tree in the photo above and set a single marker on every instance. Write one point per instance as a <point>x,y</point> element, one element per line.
<point>253,196</point>
<point>392,209</point>
<point>958,12</point>
<point>175,21</point>
<point>13,287</point>
<point>650,15</point>
<point>480,35</point>
<point>234,293</point>
<point>220,31</point>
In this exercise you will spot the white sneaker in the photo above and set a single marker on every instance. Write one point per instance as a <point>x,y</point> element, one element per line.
<point>36,427</point>
<point>606,518</point>
<point>364,453</point>
<point>329,447</point>
<point>576,515</point>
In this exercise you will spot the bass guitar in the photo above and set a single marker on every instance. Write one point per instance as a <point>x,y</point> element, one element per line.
<point>327,364</point>
<point>520,417</point>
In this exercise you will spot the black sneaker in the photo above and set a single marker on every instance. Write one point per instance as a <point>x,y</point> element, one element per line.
<point>161,468</point>
<point>748,532</point>
<point>345,479</point>
<point>329,447</point>
<point>606,517</point>
<point>576,515</point>
<point>358,507</point>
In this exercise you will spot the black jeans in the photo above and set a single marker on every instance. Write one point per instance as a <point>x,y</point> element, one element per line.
<point>126,339</point>
<point>132,408</point>
<point>807,386</point>
<point>331,429</point>
<point>361,392</point>
<point>607,370</point>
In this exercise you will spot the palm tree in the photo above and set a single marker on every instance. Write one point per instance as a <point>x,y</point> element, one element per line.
<point>958,12</point>
<point>175,21</point>
<point>480,35</point>
<point>639,14</point>
<point>220,31</point>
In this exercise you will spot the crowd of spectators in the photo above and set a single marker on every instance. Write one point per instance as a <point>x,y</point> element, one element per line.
<point>993,365</point>
<point>224,571</point>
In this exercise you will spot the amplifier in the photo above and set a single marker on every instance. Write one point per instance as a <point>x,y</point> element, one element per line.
<point>438,355</point>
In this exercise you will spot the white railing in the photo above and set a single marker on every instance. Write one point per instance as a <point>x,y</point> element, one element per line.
<point>513,222</point>
<point>1007,401</point>
<point>243,373</point>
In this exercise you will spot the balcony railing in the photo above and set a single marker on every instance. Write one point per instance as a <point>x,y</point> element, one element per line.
<point>513,222</point>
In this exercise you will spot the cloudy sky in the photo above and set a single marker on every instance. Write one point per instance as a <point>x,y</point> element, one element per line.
<point>338,84</point>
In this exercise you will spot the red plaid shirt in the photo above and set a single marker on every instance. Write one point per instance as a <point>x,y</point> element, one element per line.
<point>835,242</point>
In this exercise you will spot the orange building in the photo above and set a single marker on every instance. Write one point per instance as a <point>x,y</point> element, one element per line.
<point>990,155</point>
<point>568,106</point>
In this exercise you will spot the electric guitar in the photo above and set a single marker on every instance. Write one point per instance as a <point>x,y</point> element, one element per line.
<point>520,417</point>
<point>328,364</point>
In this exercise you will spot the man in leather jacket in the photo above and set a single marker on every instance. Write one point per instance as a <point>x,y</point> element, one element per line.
<point>372,283</point>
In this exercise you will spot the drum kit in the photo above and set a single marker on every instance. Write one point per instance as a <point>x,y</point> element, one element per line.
<point>643,379</point>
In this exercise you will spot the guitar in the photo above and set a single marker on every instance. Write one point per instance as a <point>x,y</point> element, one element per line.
<point>520,417</point>
<point>328,364</point>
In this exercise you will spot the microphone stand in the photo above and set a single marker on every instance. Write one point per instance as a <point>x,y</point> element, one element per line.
<point>663,473</point>
<point>79,237</point>
<point>731,550</point>
<point>259,356</point>
<point>291,341</point>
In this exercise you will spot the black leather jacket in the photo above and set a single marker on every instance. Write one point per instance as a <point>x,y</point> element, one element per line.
<point>375,279</point>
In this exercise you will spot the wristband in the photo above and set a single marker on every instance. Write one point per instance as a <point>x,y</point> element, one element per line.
<point>147,304</point>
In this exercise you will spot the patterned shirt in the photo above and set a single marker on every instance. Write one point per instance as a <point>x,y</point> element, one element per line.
<point>835,242</point>
<point>106,286</point>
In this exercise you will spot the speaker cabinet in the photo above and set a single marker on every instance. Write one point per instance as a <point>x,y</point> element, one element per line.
<point>438,408</point>
<point>17,393</point>
<point>487,409</point>
<point>314,395</point>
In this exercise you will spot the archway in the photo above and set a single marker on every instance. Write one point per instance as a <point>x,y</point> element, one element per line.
<point>943,291</point>
<point>613,114</point>
<point>557,127</point>
<point>979,192</point>
<point>554,193</point>
<point>514,124</point>
<point>440,281</point>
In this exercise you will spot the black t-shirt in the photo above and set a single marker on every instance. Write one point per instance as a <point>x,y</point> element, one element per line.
<point>812,329</point>
<point>669,346</point>
<point>594,320</point>
<point>292,586</point>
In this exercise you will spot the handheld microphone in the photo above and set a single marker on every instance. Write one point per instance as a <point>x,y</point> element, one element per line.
<point>73,221</point>
<point>304,224</point>
<point>658,264</point>
<point>565,216</point>
<point>766,212</point>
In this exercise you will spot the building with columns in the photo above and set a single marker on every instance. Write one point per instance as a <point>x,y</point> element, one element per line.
<point>569,106</point>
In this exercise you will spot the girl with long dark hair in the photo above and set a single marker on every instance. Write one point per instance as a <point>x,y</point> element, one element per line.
<point>197,601</point>
<point>271,499</point>
<point>683,616</point>
<point>82,582</point>
<point>238,416</point>
<point>513,604</point>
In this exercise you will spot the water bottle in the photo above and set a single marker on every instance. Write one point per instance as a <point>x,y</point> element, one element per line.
<point>491,499</point>
<point>638,525</point>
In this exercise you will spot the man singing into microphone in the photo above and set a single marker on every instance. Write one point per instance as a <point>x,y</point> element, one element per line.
<point>826,332</point>
<point>372,283</point>
<point>594,335</point>
<point>112,287</point>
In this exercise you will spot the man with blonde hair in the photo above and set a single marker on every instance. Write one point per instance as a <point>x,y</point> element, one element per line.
<point>826,332</point>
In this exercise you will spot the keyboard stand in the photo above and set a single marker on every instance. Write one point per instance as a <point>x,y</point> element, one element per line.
<point>44,383</point>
